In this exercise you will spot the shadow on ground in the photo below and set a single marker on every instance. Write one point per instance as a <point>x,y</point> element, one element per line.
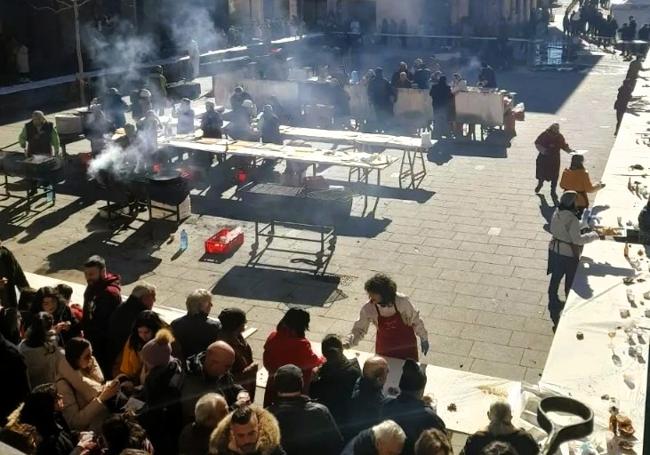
<point>132,256</point>
<point>284,286</point>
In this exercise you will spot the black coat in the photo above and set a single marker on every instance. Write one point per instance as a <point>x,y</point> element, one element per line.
<point>194,439</point>
<point>362,444</point>
<point>522,441</point>
<point>414,416</point>
<point>11,270</point>
<point>121,323</point>
<point>365,407</point>
<point>162,416</point>
<point>421,77</point>
<point>198,384</point>
<point>441,96</point>
<point>14,380</point>
<point>195,333</point>
<point>306,427</point>
<point>380,92</point>
<point>333,386</point>
<point>488,77</point>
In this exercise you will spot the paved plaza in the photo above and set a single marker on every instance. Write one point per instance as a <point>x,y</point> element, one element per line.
<point>469,247</point>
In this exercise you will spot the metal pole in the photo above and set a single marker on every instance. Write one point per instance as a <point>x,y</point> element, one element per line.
<point>80,62</point>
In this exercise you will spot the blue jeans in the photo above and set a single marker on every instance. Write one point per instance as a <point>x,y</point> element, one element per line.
<point>559,266</point>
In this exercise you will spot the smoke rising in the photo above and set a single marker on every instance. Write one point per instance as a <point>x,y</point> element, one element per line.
<point>121,49</point>
<point>195,24</point>
<point>119,162</point>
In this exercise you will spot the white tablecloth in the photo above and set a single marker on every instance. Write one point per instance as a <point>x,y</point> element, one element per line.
<point>585,369</point>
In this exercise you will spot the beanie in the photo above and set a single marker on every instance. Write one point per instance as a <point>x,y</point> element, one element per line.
<point>413,378</point>
<point>158,352</point>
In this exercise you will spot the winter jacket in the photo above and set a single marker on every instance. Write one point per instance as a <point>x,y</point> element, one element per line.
<point>281,348</point>
<point>129,363</point>
<point>414,416</point>
<point>522,441</point>
<point>195,333</point>
<point>162,416</point>
<point>362,444</point>
<point>368,314</point>
<point>268,440</point>
<point>121,322</point>
<point>42,362</point>
<point>243,359</point>
<point>333,387</point>
<point>578,180</point>
<point>100,301</point>
<point>198,384</point>
<point>441,96</point>
<point>306,426</point>
<point>11,270</point>
<point>56,439</point>
<point>366,405</point>
<point>194,439</point>
<point>565,228</point>
<point>13,378</point>
<point>82,409</point>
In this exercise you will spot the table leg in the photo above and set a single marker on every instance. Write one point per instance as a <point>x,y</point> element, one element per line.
<point>401,168</point>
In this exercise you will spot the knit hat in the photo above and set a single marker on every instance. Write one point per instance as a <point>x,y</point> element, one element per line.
<point>288,379</point>
<point>158,352</point>
<point>413,378</point>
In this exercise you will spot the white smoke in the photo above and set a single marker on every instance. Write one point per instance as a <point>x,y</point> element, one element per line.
<point>196,24</point>
<point>119,162</point>
<point>120,49</point>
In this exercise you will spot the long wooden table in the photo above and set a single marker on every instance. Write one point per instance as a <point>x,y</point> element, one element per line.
<point>411,147</point>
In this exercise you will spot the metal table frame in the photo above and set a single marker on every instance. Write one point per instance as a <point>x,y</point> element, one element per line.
<point>326,242</point>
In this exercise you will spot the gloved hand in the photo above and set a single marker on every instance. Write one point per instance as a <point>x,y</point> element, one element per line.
<point>424,345</point>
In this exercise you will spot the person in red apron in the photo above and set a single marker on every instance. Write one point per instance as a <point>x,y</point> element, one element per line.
<point>398,322</point>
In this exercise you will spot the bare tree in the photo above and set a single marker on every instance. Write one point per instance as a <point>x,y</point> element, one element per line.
<point>61,6</point>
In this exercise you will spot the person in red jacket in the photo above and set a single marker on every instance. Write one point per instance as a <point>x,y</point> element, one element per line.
<point>101,297</point>
<point>288,345</point>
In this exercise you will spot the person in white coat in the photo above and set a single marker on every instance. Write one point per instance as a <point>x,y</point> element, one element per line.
<point>396,319</point>
<point>564,251</point>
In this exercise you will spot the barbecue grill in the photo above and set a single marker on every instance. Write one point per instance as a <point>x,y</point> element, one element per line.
<point>167,188</point>
<point>39,170</point>
<point>121,189</point>
<point>296,204</point>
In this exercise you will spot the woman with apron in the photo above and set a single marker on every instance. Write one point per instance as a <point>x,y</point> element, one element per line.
<point>397,321</point>
<point>564,251</point>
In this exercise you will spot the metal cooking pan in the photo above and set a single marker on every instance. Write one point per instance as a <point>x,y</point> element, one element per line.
<point>558,434</point>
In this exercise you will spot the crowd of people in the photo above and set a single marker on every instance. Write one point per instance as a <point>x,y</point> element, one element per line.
<point>382,93</point>
<point>111,377</point>
<point>592,21</point>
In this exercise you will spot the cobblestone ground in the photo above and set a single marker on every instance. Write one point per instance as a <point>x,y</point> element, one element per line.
<point>469,247</point>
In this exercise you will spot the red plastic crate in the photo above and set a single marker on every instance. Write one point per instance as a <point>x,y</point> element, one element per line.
<point>225,241</point>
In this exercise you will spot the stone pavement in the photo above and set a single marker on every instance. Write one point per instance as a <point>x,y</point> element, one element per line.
<point>469,247</point>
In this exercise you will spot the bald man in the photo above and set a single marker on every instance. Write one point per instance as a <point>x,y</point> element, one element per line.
<point>368,397</point>
<point>210,409</point>
<point>209,371</point>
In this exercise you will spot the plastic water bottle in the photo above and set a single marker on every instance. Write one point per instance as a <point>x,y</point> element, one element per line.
<point>49,194</point>
<point>184,240</point>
